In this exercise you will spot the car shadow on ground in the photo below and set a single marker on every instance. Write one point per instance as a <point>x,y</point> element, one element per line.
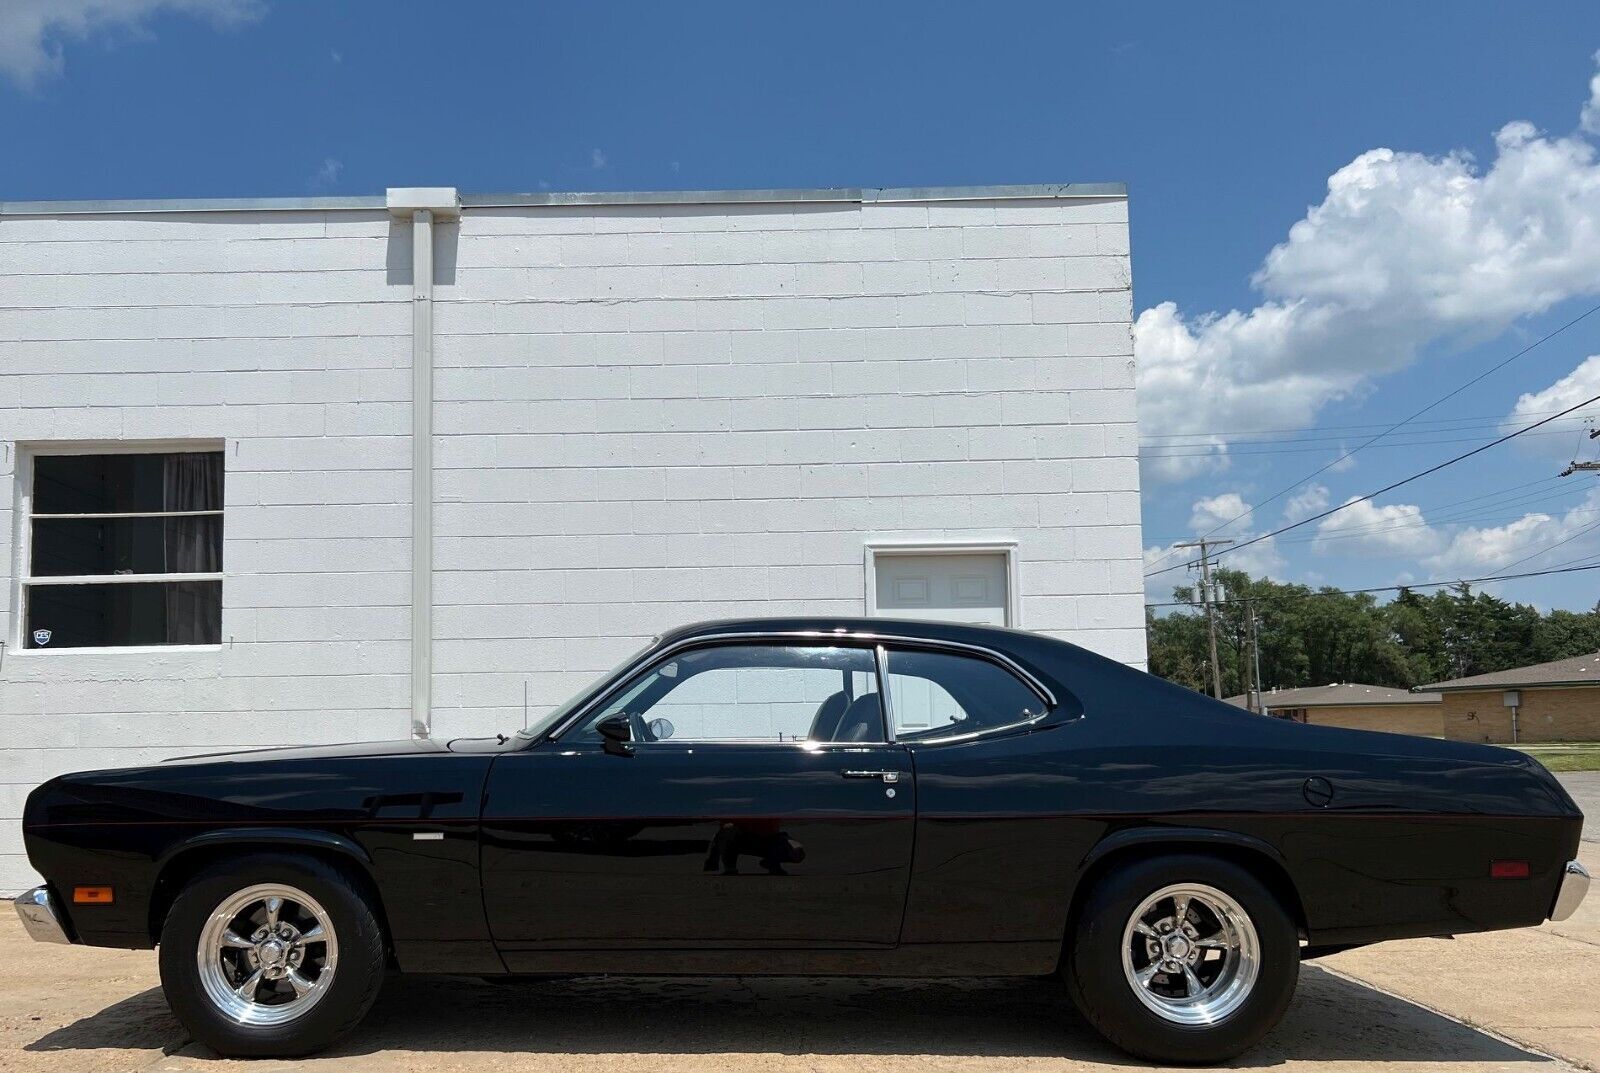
<point>1332,1019</point>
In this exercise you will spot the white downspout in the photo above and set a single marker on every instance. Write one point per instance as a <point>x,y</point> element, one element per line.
<point>422,206</point>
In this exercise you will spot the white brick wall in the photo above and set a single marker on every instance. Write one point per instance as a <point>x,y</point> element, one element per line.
<point>645,415</point>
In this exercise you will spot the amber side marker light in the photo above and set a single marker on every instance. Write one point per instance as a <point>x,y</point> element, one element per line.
<point>1508,870</point>
<point>92,896</point>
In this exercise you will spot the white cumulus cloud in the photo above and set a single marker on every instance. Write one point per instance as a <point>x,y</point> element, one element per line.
<point>1218,513</point>
<point>1406,250</point>
<point>33,33</point>
<point>1581,383</point>
<point>1591,107</point>
<point>1312,499</point>
<point>1474,549</point>
<point>1523,544</point>
<point>1366,528</point>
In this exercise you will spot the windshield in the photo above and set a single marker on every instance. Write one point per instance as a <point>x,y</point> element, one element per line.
<point>541,726</point>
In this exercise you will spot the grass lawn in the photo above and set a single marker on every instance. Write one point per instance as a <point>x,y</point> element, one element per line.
<point>1573,756</point>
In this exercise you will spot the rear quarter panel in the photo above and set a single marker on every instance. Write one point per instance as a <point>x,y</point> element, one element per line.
<point>1402,848</point>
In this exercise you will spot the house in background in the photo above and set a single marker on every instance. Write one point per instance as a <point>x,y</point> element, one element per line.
<point>1354,705</point>
<point>1555,701</point>
<point>340,469</point>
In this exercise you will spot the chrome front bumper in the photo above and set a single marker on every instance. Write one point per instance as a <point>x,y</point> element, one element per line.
<point>1574,885</point>
<point>39,917</point>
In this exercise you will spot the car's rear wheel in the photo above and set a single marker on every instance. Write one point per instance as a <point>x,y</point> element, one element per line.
<point>1182,958</point>
<point>271,955</point>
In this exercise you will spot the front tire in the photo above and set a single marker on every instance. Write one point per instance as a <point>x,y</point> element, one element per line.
<point>1182,959</point>
<point>271,955</point>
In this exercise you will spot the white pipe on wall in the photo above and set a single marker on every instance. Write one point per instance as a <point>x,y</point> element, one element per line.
<point>421,473</point>
<point>422,206</point>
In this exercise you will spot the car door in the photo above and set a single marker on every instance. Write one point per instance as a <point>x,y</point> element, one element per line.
<point>1001,815</point>
<point>755,805</point>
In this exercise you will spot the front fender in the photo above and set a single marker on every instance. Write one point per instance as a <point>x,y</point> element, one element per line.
<point>169,864</point>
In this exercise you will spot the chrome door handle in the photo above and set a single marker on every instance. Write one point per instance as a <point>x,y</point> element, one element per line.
<point>886,776</point>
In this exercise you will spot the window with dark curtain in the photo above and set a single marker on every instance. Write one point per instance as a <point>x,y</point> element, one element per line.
<point>107,532</point>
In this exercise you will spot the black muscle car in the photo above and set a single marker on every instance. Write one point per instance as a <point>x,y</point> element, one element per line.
<point>817,796</point>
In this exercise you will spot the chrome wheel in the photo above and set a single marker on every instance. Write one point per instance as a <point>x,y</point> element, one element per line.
<point>267,954</point>
<point>1191,954</point>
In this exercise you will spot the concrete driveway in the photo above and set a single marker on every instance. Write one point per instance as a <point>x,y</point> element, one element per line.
<point>1517,1001</point>
<point>1584,786</point>
<point>726,1025</point>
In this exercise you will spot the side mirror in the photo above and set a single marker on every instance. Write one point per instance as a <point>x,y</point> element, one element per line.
<point>616,731</point>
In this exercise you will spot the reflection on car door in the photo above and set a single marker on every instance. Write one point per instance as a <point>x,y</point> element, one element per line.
<point>769,813</point>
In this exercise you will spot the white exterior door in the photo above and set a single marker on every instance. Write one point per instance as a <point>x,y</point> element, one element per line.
<point>948,587</point>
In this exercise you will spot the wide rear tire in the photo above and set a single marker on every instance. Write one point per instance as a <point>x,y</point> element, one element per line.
<point>271,955</point>
<point>1194,989</point>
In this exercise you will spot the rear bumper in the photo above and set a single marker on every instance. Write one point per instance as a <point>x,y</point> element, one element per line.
<point>1574,885</point>
<point>39,917</point>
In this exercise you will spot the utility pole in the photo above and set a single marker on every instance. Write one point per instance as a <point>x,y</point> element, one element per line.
<point>1257,702</point>
<point>1205,547</point>
<point>1583,467</point>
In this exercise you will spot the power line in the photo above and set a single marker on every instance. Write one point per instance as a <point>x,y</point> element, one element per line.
<point>1520,486</point>
<point>1393,588</point>
<point>1553,547</point>
<point>1580,559</point>
<point>1445,398</point>
<point>1501,500</point>
<point>1388,487</point>
<point>1161,452</point>
<point>1313,435</point>
<point>1356,534</point>
<point>1293,432</point>
<point>1460,517</point>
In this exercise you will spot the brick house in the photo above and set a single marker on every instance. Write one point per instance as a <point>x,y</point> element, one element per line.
<point>1555,701</point>
<point>333,469</point>
<point>1354,705</point>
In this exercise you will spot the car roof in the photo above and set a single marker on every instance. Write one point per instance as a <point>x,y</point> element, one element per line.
<point>846,625</point>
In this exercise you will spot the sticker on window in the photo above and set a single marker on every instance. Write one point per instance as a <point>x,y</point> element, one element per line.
<point>41,637</point>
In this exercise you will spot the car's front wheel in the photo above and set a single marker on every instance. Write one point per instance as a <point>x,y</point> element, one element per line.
<point>1183,958</point>
<point>271,955</point>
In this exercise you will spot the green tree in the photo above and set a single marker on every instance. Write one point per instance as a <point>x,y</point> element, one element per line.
<point>1318,636</point>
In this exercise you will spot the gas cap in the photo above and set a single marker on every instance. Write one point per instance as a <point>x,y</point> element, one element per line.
<point>1318,791</point>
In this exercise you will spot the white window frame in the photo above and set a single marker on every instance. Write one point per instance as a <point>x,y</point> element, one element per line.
<point>22,566</point>
<point>876,549</point>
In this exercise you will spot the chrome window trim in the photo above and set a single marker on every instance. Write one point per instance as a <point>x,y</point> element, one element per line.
<point>1005,665</point>
<point>874,639</point>
<point>803,744</point>
<point>880,662</point>
<point>984,733</point>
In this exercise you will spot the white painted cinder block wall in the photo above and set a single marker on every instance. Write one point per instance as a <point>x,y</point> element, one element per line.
<point>645,415</point>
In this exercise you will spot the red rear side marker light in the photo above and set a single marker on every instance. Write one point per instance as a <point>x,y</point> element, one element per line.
<point>1508,870</point>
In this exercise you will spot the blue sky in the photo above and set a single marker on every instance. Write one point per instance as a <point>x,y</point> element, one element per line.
<point>1424,266</point>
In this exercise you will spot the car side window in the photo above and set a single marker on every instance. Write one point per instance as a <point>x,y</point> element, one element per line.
<point>750,693</point>
<point>937,694</point>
